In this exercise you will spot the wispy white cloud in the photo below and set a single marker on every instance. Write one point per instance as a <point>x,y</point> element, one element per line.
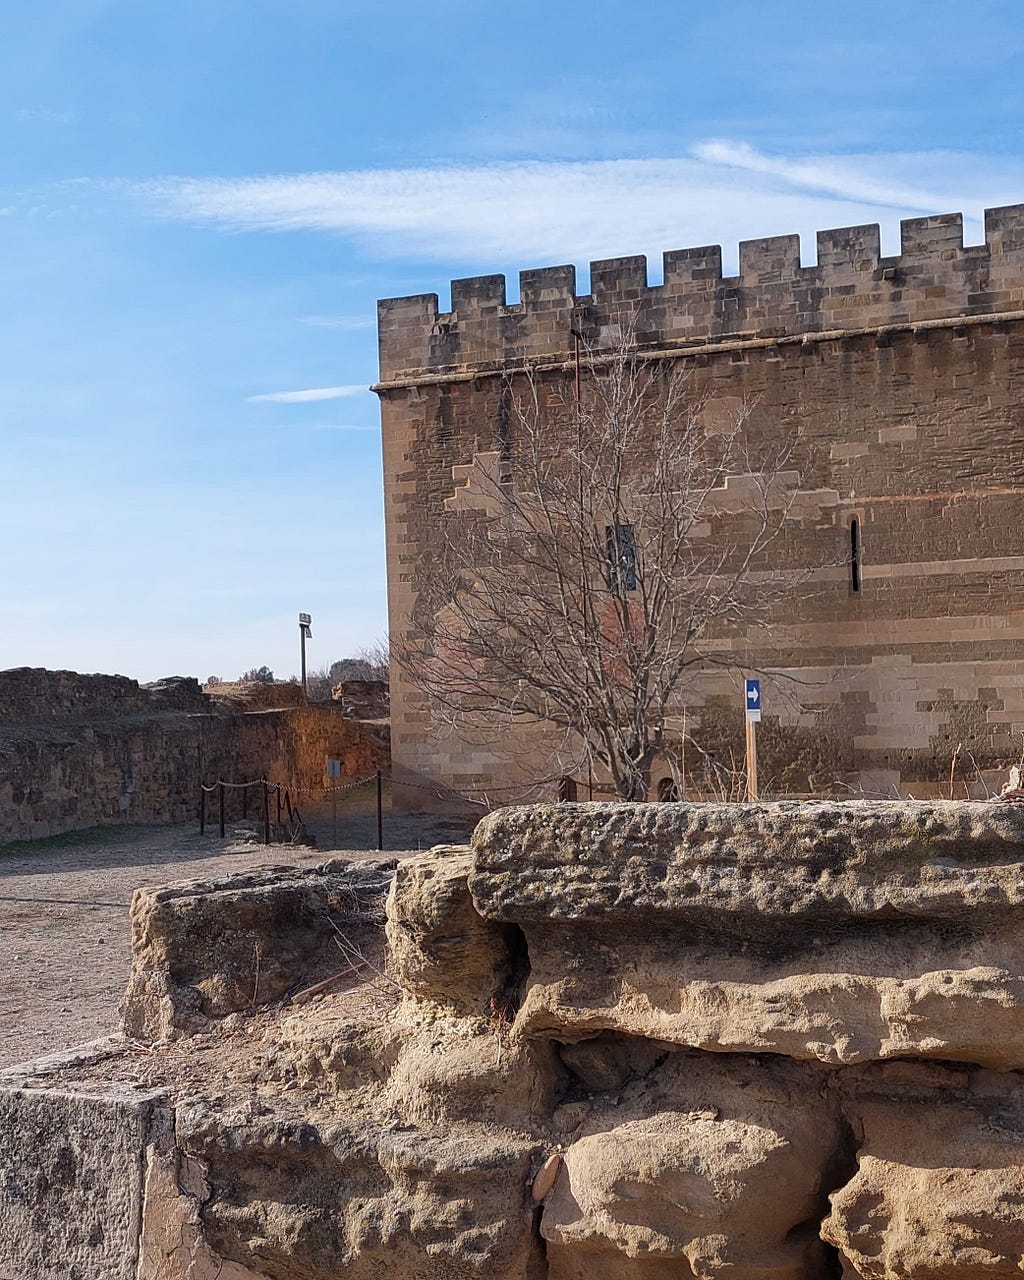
<point>544,211</point>
<point>310,394</point>
<point>41,115</point>
<point>847,179</point>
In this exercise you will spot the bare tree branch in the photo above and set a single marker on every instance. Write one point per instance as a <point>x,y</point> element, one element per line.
<point>608,557</point>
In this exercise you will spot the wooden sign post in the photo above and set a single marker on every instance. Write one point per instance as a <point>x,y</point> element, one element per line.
<point>752,709</point>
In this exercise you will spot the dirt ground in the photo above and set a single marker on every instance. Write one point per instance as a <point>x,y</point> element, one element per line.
<point>64,902</point>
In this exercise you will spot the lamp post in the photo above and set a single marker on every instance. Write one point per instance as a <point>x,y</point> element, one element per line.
<point>304,634</point>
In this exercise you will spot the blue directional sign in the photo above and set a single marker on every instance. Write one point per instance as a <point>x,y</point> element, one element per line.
<point>753,700</point>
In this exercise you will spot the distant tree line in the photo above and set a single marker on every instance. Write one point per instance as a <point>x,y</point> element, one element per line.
<point>370,663</point>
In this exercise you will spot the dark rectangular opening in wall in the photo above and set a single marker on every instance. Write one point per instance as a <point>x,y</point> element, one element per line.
<point>855,554</point>
<point>621,544</point>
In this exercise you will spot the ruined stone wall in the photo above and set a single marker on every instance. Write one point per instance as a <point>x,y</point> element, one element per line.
<point>83,758</point>
<point>899,382</point>
<point>606,1042</point>
<point>30,695</point>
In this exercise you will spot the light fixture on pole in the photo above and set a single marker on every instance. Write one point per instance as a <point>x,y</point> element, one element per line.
<point>305,633</point>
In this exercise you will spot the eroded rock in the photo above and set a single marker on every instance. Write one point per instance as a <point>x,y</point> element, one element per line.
<point>524,1091</point>
<point>441,949</point>
<point>211,948</point>
<point>717,1167</point>
<point>319,1201</point>
<point>938,1193</point>
<point>829,932</point>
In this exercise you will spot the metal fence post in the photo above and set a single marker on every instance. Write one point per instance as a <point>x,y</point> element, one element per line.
<point>202,809</point>
<point>266,814</point>
<point>220,801</point>
<point>380,810</point>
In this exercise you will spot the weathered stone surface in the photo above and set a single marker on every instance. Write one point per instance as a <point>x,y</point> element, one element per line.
<point>207,949</point>
<point>318,1201</point>
<point>363,1134</point>
<point>938,1193</point>
<point>752,863</point>
<point>836,932</point>
<point>440,949</point>
<point>467,1071</point>
<point>845,1001</point>
<point>711,1167</point>
<point>171,1242</point>
<point>71,1189</point>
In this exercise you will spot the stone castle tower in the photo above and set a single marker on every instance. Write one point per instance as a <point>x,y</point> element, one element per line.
<point>901,381</point>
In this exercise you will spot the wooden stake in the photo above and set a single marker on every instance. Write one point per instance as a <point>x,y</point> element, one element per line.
<point>751,762</point>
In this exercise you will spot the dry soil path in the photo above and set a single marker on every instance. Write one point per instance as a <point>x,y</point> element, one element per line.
<point>64,950</point>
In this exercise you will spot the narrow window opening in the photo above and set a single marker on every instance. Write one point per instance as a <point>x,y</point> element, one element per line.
<point>567,789</point>
<point>668,790</point>
<point>855,554</point>
<point>622,568</point>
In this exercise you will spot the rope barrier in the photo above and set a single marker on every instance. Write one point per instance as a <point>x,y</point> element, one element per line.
<point>240,786</point>
<point>337,790</point>
<point>285,794</point>
<point>299,791</point>
<point>480,800</point>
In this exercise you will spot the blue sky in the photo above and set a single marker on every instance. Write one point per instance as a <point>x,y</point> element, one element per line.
<point>201,202</point>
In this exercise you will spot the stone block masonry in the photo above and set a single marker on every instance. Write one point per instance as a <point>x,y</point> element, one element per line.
<point>609,1042</point>
<point>898,383</point>
<point>852,287</point>
<point>85,751</point>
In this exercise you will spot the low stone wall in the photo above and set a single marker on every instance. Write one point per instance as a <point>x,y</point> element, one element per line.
<point>101,750</point>
<point>609,1042</point>
<point>34,695</point>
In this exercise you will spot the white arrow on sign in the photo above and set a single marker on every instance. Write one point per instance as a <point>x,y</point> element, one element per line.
<point>753,700</point>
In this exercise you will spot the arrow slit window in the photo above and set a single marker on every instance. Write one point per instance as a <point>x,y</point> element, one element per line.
<point>856,555</point>
<point>622,566</point>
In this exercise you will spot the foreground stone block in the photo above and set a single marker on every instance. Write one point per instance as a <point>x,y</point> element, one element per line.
<point>441,950</point>
<point>71,1181</point>
<point>757,863</point>
<point>836,932</point>
<point>524,1092</point>
<point>705,1167</point>
<point>211,948</point>
<point>939,1186</point>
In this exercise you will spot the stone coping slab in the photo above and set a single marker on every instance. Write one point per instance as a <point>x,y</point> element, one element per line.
<point>783,861</point>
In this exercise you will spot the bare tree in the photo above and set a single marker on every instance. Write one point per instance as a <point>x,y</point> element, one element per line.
<point>590,569</point>
<point>372,662</point>
<point>318,684</point>
<point>377,659</point>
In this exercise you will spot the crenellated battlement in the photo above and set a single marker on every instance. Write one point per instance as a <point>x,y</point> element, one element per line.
<point>852,286</point>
